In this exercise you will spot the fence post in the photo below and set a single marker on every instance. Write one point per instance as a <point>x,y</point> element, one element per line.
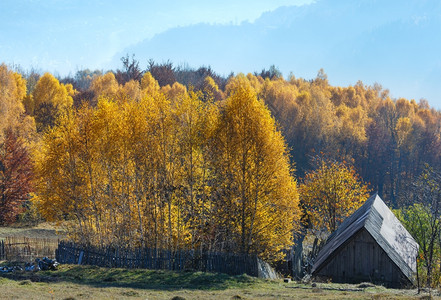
<point>2,250</point>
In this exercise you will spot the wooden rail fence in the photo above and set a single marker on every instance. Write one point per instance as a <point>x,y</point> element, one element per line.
<point>27,249</point>
<point>233,264</point>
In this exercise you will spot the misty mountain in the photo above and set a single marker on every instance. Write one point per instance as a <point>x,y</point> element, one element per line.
<point>384,39</point>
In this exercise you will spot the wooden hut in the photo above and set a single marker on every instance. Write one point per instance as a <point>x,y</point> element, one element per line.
<point>370,245</point>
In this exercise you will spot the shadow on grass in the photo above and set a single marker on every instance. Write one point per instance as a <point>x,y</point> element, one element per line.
<point>137,278</point>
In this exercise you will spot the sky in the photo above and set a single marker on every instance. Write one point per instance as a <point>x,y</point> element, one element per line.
<point>66,35</point>
<point>391,42</point>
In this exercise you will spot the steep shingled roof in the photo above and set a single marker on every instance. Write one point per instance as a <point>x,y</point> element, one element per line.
<point>386,230</point>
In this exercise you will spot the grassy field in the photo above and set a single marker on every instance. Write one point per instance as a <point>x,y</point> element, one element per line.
<point>42,230</point>
<point>86,282</point>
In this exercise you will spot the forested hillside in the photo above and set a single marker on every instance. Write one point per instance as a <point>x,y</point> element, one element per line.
<point>176,157</point>
<point>388,140</point>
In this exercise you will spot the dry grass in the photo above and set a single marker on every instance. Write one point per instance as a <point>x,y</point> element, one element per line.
<point>42,230</point>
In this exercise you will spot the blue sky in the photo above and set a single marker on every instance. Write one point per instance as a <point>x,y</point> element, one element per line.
<point>65,35</point>
<point>395,43</point>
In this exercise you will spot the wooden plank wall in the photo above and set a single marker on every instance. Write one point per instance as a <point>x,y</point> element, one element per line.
<point>362,259</point>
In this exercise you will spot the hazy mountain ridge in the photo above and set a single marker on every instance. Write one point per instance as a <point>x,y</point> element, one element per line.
<point>384,37</point>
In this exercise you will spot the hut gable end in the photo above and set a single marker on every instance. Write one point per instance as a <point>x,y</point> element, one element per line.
<point>370,245</point>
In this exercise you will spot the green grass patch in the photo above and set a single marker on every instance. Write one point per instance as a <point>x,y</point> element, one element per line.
<point>140,278</point>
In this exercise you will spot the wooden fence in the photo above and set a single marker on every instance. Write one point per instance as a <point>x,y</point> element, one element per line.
<point>2,250</point>
<point>233,264</point>
<point>27,249</point>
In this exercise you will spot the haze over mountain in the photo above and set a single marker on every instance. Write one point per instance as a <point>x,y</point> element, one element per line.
<point>62,36</point>
<point>394,43</point>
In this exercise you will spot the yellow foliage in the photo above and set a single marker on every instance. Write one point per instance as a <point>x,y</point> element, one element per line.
<point>262,199</point>
<point>12,93</point>
<point>151,172</point>
<point>130,91</point>
<point>149,85</point>
<point>175,92</point>
<point>49,91</point>
<point>353,123</point>
<point>403,131</point>
<point>211,91</point>
<point>331,193</point>
<point>105,86</point>
<point>50,99</point>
